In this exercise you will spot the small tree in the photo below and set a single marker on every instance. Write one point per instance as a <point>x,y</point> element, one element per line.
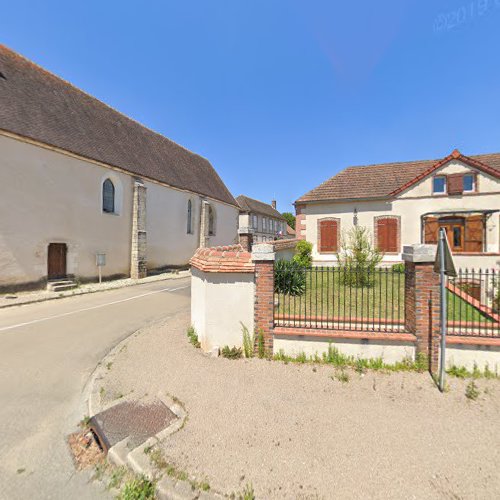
<point>290,219</point>
<point>303,253</point>
<point>358,258</point>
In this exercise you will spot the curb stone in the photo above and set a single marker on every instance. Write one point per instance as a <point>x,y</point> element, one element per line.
<point>136,459</point>
<point>77,292</point>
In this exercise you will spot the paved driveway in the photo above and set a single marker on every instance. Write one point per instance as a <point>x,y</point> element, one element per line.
<point>47,353</point>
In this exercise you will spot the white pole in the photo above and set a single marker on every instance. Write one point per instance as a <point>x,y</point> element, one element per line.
<point>100,274</point>
<point>444,309</point>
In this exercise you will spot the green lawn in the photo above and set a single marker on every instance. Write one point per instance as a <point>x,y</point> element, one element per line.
<point>327,296</point>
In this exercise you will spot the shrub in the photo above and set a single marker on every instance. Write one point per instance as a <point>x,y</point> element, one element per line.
<point>357,258</point>
<point>290,219</point>
<point>289,278</point>
<point>231,352</point>
<point>303,253</point>
<point>248,342</point>
<point>398,268</point>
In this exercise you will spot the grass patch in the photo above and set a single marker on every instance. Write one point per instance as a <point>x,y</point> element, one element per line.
<point>193,337</point>
<point>361,365</point>
<point>140,488</point>
<point>327,294</point>
<point>231,352</point>
<point>462,372</point>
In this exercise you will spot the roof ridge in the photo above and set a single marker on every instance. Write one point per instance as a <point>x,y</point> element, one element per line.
<point>78,89</point>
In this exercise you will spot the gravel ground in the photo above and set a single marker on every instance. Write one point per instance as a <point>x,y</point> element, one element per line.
<point>294,432</point>
<point>22,298</point>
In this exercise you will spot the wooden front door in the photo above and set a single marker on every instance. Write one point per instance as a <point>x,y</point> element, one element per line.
<point>455,232</point>
<point>56,261</point>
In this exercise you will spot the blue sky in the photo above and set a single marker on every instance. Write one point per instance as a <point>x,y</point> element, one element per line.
<point>281,94</point>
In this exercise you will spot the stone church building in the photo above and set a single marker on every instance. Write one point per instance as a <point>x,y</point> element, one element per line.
<point>79,179</point>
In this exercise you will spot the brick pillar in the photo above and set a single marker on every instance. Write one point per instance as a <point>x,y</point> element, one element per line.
<point>245,238</point>
<point>263,257</point>
<point>138,261</point>
<point>423,300</point>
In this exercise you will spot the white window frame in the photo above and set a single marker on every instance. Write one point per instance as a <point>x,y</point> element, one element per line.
<point>445,186</point>
<point>473,183</point>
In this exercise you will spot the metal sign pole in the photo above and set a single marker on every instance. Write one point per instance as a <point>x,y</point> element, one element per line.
<point>444,308</point>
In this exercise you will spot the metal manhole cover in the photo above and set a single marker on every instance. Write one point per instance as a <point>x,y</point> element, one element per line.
<point>138,420</point>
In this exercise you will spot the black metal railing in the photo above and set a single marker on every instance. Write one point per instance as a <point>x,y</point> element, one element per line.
<point>337,298</point>
<point>473,300</point>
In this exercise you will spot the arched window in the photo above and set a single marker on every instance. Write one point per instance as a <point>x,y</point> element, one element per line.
<point>108,197</point>
<point>190,217</point>
<point>211,221</point>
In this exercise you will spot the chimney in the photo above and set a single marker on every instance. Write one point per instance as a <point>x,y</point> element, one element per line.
<point>273,204</point>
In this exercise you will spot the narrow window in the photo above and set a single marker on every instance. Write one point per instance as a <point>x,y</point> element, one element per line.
<point>439,185</point>
<point>264,225</point>
<point>190,218</point>
<point>108,197</point>
<point>469,184</point>
<point>254,221</point>
<point>211,221</point>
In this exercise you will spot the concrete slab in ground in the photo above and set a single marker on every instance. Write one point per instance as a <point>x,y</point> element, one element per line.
<point>135,420</point>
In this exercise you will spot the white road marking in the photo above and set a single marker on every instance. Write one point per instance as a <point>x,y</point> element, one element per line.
<point>11,327</point>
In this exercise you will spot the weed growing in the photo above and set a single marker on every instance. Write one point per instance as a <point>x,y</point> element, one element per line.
<point>462,372</point>
<point>472,391</point>
<point>231,352</point>
<point>193,337</point>
<point>261,348</point>
<point>248,342</point>
<point>159,461</point>
<point>361,365</point>
<point>140,488</point>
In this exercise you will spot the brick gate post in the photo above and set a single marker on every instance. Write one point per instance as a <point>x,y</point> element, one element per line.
<point>263,257</point>
<point>423,300</point>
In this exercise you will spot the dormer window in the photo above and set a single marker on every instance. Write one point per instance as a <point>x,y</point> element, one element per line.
<point>469,183</point>
<point>439,185</point>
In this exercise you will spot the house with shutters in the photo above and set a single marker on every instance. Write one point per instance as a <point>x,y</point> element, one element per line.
<point>82,184</point>
<point>406,203</point>
<point>261,219</point>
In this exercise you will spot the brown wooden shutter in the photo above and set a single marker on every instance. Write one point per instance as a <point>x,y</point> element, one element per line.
<point>328,236</point>
<point>474,233</point>
<point>387,235</point>
<point>431,230</point>
<point>455,184</point>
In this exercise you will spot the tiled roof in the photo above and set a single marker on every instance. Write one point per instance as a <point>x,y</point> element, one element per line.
<point>41,106</point>
<point>384,180</point>
<point>290,230</point>
<point>226,259</point>
<point>258,207</point>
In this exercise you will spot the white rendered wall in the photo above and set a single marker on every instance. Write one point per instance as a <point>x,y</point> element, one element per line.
<point>220,302</point>
<point>49,197</point>
<point>468,355</point>
<point>410,205</point>
<point>390,352</point>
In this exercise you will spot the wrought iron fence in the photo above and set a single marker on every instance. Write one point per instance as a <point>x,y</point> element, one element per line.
<point>473,300</point>
<point>337,298</point>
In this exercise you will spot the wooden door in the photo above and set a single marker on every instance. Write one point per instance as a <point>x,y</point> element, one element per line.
<point>455,232</point>
<point>56,261</point>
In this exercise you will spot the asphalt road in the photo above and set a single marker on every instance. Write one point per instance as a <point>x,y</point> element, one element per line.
<point>47,353</point>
